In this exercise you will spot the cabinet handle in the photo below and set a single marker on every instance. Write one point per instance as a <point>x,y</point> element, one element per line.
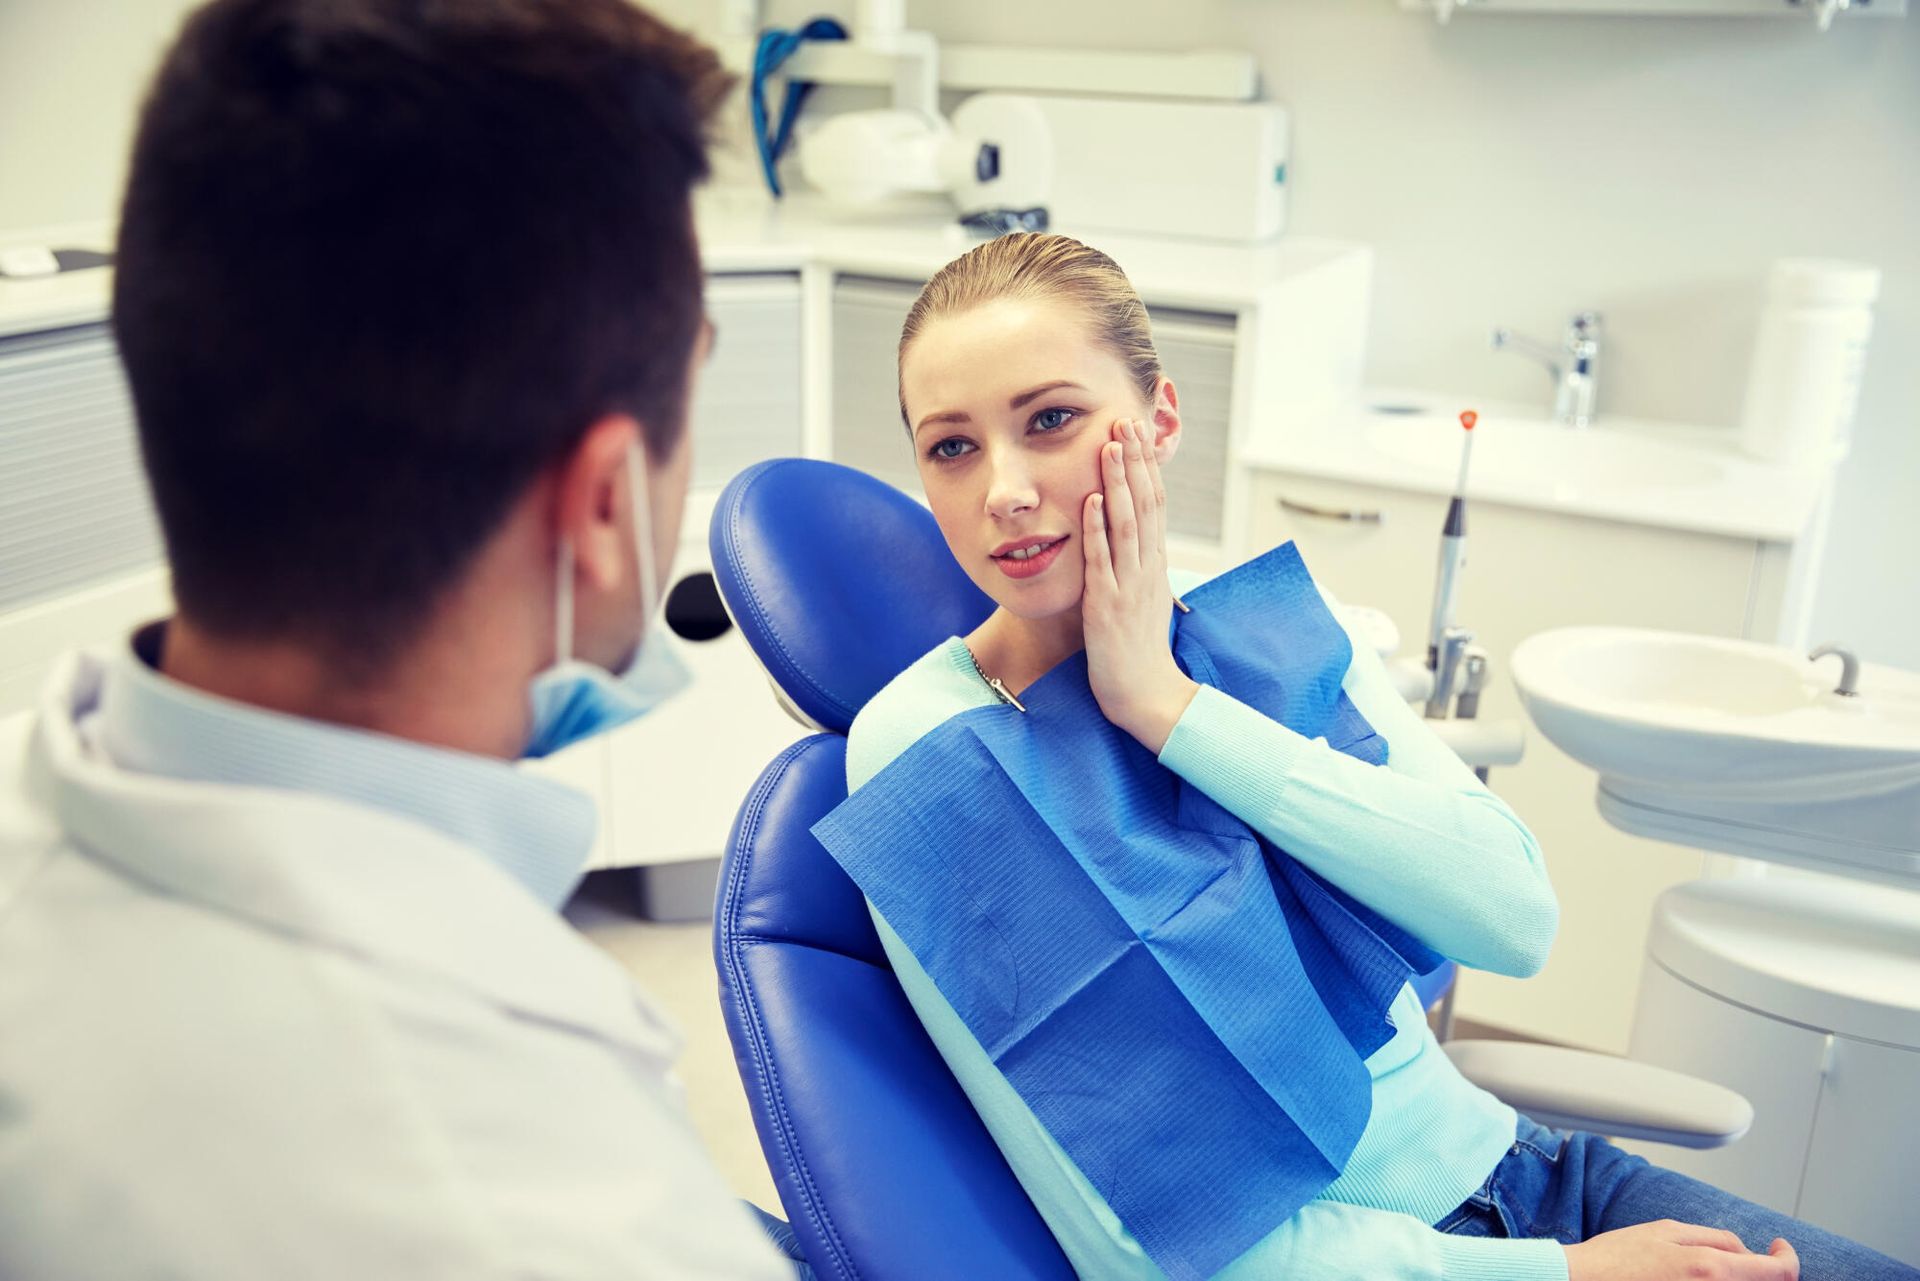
<point>1375,517</point>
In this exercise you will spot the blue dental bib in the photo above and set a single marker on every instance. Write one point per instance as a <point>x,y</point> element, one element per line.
<point>1185,1008</point>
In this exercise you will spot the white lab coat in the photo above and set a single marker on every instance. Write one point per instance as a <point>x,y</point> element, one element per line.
<point>259,1034</point>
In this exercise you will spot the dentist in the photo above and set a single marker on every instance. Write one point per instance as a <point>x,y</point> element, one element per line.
<point>410,305</point>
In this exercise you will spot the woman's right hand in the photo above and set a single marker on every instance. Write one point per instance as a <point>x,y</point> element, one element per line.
<point>1670,1251</point>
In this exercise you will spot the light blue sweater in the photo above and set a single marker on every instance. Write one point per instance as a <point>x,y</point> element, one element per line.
<point>1420,841</point>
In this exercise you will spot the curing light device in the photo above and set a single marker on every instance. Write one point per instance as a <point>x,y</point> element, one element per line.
<point>1447,643</point>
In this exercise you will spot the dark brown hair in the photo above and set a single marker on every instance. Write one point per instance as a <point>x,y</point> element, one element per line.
<point>382,262</point>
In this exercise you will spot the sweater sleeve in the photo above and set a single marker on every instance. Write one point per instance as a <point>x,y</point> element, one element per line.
<point>1422,841</point>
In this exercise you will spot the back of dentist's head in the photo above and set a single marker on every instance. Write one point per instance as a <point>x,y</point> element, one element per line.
<point>1041,266</point>
<point>381,263</point>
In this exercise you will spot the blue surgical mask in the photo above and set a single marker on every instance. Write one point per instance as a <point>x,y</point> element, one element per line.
<point>574,699</point>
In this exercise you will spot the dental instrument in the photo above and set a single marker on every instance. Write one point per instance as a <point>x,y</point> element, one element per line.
<point>1446,643</point>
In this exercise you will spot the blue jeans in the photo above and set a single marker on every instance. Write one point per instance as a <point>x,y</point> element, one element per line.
<point>1574,1186</point>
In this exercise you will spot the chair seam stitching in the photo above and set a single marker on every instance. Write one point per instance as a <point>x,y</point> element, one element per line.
<point>843,1263</point>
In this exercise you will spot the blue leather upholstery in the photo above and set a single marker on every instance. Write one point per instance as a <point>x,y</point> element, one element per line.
<point>837,580</point>
<point>882,1166</point>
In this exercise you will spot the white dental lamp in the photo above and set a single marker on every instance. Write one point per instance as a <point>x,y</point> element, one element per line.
<point>995,158</point>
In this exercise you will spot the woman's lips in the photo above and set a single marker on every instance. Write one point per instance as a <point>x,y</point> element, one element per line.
<point>1032,565</point>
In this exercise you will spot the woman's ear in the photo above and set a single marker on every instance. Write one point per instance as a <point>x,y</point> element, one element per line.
<point>1166,420</point>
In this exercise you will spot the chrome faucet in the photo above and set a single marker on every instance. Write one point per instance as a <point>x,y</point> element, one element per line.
<point>1573,365</point>
<point>1849,685</point>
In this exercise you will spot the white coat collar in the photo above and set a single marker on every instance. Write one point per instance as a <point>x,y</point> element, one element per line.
<point>371,883</point>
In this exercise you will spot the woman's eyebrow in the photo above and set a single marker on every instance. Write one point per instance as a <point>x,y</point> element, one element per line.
<point>950,416</point>
<point>1041,390</point>
<point>961,415</point>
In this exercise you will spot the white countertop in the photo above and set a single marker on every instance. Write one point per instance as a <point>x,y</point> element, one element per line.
<point>1643,472</point>
<point>1670,475</point>
<point>746,232</point>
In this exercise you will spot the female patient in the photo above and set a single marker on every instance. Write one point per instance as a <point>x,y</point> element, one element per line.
<point>1041,418</point>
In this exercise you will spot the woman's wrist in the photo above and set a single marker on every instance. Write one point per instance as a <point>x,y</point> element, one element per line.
<point>1156,707</point>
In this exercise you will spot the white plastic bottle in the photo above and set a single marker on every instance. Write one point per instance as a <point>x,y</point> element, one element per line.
<point>1804,383</point>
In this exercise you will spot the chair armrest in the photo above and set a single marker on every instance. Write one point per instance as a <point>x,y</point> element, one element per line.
<point>1581,1090</point>
<point>1482,744</point>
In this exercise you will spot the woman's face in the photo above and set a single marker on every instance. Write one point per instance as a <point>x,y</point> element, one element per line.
<point>1009,404</point>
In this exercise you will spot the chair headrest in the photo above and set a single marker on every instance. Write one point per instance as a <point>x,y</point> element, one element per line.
<point>837,580</point>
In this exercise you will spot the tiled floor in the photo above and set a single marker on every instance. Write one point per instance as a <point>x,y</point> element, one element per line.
<point>674,965</point>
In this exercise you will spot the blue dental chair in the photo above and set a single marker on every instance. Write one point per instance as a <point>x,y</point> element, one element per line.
<point>838,582</point>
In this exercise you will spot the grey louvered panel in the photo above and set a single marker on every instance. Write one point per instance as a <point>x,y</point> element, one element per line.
<point>867,318</point>
<point>74,461</point>
<point>79,386</point>
<point>747,406</point>
<point>74,509</point>
<point>1196,352</point>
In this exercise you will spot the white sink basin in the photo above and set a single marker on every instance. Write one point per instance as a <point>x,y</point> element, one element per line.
<point>1736,746</point>
<point>1507,447</point>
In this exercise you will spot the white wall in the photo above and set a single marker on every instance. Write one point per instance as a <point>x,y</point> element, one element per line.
<point>1510,170</point>
<point>72,75</point>
<point>1507,169</point>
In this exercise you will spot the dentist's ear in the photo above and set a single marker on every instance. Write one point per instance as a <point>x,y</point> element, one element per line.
<point>591,504</point>
<point>1166,421</point>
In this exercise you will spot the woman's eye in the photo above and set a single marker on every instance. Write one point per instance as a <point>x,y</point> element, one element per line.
<point>1053,419</point>
<point>950,448</point>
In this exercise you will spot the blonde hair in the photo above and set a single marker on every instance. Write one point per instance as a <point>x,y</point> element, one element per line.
<point>1028,264</point>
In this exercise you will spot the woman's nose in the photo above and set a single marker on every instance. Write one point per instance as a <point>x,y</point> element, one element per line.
<point>1010,487</point>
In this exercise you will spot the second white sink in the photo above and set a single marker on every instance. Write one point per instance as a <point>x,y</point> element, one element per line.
<point>1748,739</point>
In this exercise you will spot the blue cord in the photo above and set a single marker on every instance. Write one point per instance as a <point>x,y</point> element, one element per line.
<point>776,47</point>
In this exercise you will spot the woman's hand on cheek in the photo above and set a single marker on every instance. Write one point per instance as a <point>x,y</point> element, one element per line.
<point>1127,604</point>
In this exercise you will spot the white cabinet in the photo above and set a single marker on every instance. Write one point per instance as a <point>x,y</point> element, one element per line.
<point>74,511</point>
<point>1197,352</point>
<point>1834,1115</point>
<point>1861,1169</point>
<point>675,779</point>
<point>746,406</point>
<point>866,428</point>
<point>1529,571</point>
<point>1680,1027</point>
